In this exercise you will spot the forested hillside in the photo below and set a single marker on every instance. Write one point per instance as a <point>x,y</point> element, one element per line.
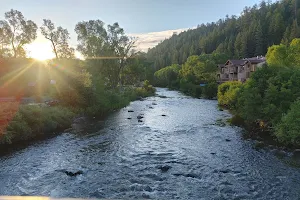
<point>249,35</point>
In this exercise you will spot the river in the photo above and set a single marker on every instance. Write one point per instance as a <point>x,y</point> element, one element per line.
<point>182,155</point>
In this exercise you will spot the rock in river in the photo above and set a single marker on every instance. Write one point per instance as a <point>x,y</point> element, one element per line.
<point>140,117</point>
<point>69,173</point>
<point>164,168</point>
<point>296,154</point>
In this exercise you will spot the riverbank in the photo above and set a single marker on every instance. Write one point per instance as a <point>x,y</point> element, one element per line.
<point>26,123</point>
<point>265,114</point>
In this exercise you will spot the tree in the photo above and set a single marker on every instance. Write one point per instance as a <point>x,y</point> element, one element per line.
<point>192,70</point>
<point>121,44</point>
<point>4,40</point>
<point>284,55</point>
<point>92,38</point>
<point>259,40</point>
<point>109,48</point>
<point>59,39</point>
<point>167,76</point>
<point>18,31</point>
<point>245,36</point>
<point>287,131</point>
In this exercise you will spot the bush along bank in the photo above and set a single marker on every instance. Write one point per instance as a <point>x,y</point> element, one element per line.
<point>29,122</point>
<point>268,105</point>
<point>196,77</point>
<point>21,123</point>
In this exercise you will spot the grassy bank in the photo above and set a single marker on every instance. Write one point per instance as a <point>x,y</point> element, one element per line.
<point>19,123</point>
<point>26,122</point>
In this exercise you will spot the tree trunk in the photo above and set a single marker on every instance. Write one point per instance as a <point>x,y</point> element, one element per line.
<point>54,49</point>
<point>14,49</point>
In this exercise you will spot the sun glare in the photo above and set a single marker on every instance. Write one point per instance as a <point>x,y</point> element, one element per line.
<point>40,51</point>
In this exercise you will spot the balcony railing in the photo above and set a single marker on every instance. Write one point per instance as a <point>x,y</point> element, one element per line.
<point>233,70</point>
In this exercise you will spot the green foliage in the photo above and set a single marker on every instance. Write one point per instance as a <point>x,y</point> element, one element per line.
<point>192,70</point>
<point>248,35</point>
<point>228,93</point>
<point>270,98</point>
<point>137,69</point>
<point>107,49</point>
<point>195,71</point>
<point>236,120</point>
<point>59,39</point>
<point>285,55</point>
<point>166,77</point>
<point>16,32</point>
<point>104,101</point>
<point>288,129</point>
<point>269,94</point>
<point>210,90</point>
<point>32,121</point>
<point>190,88</point>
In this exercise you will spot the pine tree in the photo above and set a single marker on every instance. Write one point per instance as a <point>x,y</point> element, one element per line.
<point>258,40</point>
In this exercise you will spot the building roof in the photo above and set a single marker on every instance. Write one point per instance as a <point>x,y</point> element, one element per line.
<point>237,62</point>
<point>256,60</point>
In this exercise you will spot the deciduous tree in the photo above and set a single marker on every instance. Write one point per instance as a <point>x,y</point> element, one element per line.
<point>59,39</point>
<point>18,32</point>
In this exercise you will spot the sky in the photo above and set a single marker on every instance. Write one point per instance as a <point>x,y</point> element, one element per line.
<point>150,20</point>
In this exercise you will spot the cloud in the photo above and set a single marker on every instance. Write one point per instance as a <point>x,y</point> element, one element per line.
<point>149,40</point>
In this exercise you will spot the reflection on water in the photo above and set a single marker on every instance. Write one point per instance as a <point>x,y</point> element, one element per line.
<point>176,152</point>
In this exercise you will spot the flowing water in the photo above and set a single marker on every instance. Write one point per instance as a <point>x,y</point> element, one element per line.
<point>182,155</point>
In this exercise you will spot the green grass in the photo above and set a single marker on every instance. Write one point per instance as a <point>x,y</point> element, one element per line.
<point>31,121</point>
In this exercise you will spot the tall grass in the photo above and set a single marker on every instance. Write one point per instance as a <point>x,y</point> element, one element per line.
<point>30,121</point>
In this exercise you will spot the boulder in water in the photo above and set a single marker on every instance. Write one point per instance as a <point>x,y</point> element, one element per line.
<point>296,154</point>
<point>163,115</point>
<point>140,120</point>
<point>130,111</point>
<point>279,153</point>
<point>140,117</point>
<point>69,173</point>
<point>164,168</point>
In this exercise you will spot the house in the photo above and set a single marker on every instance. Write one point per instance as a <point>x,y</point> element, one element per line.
<point>239,70</point>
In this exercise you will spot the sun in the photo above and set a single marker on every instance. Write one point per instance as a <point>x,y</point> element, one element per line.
<point>40,51</point>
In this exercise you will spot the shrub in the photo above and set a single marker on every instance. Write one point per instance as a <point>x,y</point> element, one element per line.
<point>236,120</point>
<point>187,87</point>
<point>268,94</point>
<point>227,93</point>
<point>31,121</point>
<point>210,90</point>
<point>106,101</point>
<point>288,130</point>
